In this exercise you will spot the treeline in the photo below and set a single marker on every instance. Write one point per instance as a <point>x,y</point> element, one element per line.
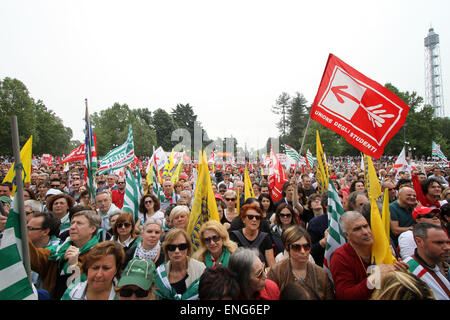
<point>419,131</point>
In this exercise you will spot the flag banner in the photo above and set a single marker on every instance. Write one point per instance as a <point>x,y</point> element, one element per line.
<point>14,283</point>
<point>118,157</point>
<point>167,171</point>
<point>277,177</point>
<point>335,237</point>
<point>177,173</point>
<point>372,184</point>
<point>381,250</point>
<point>132,194</point>
<point>78,154</point>
<point>204,207</point>
<point>90,154</point>
<point>292,153</point>
<point>401,164</point>
<point>361,110</point>
<point>436,152</point>
<point>248,188</point>
<point>309,159</point>
<point>25,159</point>
<point>322,168</point>
<point>160,158</point>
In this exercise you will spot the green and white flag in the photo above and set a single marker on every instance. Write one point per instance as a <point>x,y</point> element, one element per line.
<point>335,237</point>
<point>14,283</point>
<point>437,152</point>
<point>290,152</point>
<point>132,195</point>
<point>118,157</point>
<point>157,189</point>
<point>309,159</point>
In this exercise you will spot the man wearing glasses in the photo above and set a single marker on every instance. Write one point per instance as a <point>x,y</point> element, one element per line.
<point>119,193</point>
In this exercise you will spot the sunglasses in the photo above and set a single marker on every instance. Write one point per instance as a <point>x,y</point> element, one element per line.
<point>33,229</point>
<point>120,182</point>
<point>55,185</point>
<point>230,199</point>
<point>139,293</point>
<point>285,215</point>
<point>173,247</point>
<point>260,273</point>
<point>298,247</point>
<point>125,224</point>
<point>215,238</point>
<point>429,216</point>
<point>148,202</point>
<point>251,217</point>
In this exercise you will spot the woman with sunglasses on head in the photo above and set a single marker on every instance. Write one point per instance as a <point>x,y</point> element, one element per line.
<point>149,208</point>
<point>149,245</point>
<point>215,245</point>
<point>123,231</point>
<point>251,236</point>
<point>178,278</point>
<point>297,268</point>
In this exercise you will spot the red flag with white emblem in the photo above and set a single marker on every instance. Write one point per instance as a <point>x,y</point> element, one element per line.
<point>361,110</point>
<point>277,177</point>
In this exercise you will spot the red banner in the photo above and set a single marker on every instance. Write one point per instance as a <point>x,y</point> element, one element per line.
<point>77,154</point>
<point>361,110</point>
<point>277,177</point>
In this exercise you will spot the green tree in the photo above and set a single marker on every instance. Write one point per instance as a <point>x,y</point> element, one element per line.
<point>297,120</point>
<point>164,126</point>
<point>282,104</point>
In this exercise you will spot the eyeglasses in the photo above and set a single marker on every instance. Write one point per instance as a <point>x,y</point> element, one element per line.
<point>214,238</point>
<point>55,185</point>
<point>139,293</point>
<point>173,247</point>
<point>251,217</point>
<point>148,202</point>
<point>230,199</point>
<point>297,247</point>
<point>120,182</point>
<point>33,229</point>
<point>285,215</point>
<point>125,224</point>
<point>261,273</point>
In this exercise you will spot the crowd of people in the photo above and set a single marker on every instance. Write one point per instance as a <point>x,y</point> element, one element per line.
<point>260,249</point>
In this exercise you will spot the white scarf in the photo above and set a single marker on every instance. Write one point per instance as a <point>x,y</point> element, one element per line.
<point>142,253</point>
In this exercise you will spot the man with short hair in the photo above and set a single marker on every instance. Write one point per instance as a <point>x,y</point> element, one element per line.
<point>75,189</point>
<point>433,247</point>
<point>401,212</point>
<point>349,263</point>
<point>265,188</point>
<point>118,194</point>
<point>187,195</point>
<point>169,195</point>
<point>392,191</point>
<point>226,181</point>
<point>105,207</point>
<point>306,185</point>
<point>6,189</point>
<point>111,182</point>
<point>355,201</point>
<point>432,190</point>
<point>55,183</point>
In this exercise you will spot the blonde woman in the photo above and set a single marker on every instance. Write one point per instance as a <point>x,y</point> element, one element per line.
<point>215,245</point>
<point>179,217</point>
<point>230,212</point>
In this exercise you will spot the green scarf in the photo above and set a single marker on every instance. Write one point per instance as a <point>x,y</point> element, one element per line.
<point>165,290</point>
<point>223,259</point>
<point>57,252</point>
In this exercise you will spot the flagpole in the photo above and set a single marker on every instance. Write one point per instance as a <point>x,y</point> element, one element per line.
<point>304,136</point>
<point>19,193</point>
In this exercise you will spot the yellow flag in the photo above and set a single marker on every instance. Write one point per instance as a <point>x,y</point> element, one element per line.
<point>204,207</point>
<point>176,174</point>
<point>238,203</point>
<point>386,216</point>
<point>373,186</point>
<point>25,159</point>
<point>167,171</point>
<point>322,168</point>
<point>248,189</point>
<point>381,251</point>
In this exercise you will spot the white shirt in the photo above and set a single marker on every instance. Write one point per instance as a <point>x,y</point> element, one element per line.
<point>406,244</point>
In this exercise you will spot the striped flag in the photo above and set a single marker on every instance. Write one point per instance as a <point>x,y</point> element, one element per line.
<point>436,152</point>
<point>14,283</point>
<point>118,157</point>
<point>322,168</point>
<point>290,152</point>
<point>132,194</point>
<point>90,161</point>
<point>309,159</point>
<point>335,237</point>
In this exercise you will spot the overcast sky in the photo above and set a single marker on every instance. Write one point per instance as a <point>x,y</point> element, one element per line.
<point>230,60</point>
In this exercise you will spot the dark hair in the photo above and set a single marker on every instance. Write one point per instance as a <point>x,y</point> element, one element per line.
<point>31,193</point>
<point>280,207</point>
<point>266,196</point>
<point>169,209</point>
<point>250,201</point>
<point>353,185</point>
<point>7,184</point>
<point>218,283</point>
<point>298,291</point>
<point>427,183</point>
<point>101,250</point>
<point>402,181</point>
<point>70,201</point>
<point>76,209</point>
<point>124,217</point>
<point>421,229</point>
<point>156,206</point>
<point>285,187</point>
<point>351,200</point>
<point>51,221</point>
<point>313,197</point>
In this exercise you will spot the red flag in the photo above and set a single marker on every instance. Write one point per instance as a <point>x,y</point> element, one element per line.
<point>361,110</point>
<point>419,193</point>
<point>78,154</point>
<point>277,177</point>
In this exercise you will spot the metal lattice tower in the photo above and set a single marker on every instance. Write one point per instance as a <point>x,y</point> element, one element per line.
<point>433,78</point>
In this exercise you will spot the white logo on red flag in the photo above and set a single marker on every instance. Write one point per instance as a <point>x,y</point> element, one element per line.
<point>365,113</point>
